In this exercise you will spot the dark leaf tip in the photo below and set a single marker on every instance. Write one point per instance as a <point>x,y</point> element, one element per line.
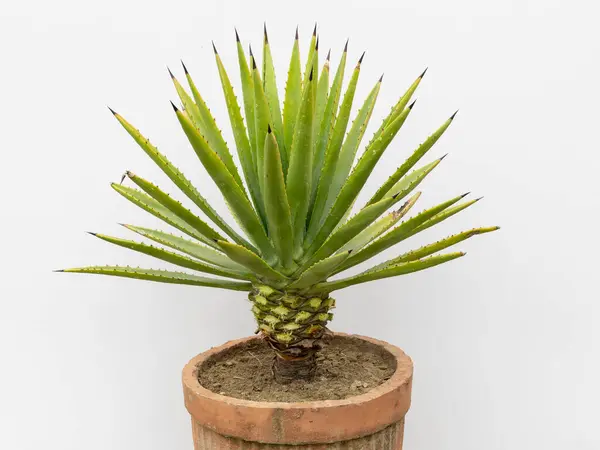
<point>424,72</point>
<point>317,44</point>
<point>92,233</point>
<point>381,78</point>
<point>265,33</point>
<point>58,270</point>
<point>184,68</point>
<point>269,128</point>
<point>112,111</point>
<point>412,104</point>
<point>328,58</point>
<point>253,62</point>
<point>214,48</point>
<point>296,32</point>
<point>443,157</point>
<point>250,49</point>
<point>465,194</point>
<point>315,30</point>
<point>174,107</point>
<point>237,36</point>
<point>170,73</point>
<point>361,58</point>
<point>346,46</point>
<point>454,115</point>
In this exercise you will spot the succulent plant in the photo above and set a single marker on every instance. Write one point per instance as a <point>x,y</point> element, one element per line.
<point>298,185</point>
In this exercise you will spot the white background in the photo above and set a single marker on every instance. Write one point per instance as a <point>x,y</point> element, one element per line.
<point>505,341</point>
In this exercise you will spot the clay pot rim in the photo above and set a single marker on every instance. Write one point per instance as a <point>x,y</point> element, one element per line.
<point>190,379</point>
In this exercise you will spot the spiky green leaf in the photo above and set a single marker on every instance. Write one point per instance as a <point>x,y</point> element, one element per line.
<point>248,94</point>
<point>319,271</point>
<point>231,191</point>
<point>262,117</point>
<point>380,226</point>
<point>150,205</point>
<point>352,185</point>
<point>300,172</point>
<point>434,247</point>
<point>276,203</point>
<point>410,162</point>
<point>162,276</point>
<point>241,139</point>
<point>272,95</point>
<point>212,134</point>
<point>393,271</point>
<point>186,246</point>
<point>293,97</point>
<point>349,230</point>
<point>175,207</point>
<point>399,107</point>
<point>180,180</point>
<point>331,158</point>
<point>252,261</point>
<point>329,115</point>
<point>350,146</point>
<point>398,234</point>
<point>174,258</point>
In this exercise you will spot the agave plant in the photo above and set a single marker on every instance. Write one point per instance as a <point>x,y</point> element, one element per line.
<point>298,184</point>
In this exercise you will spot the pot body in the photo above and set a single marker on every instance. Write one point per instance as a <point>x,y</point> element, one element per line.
<point>373,420</point>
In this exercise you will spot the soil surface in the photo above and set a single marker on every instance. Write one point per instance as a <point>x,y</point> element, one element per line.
<point>346,367</point>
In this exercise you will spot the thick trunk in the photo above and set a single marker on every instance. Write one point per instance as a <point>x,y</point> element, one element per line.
<point>294,325</point>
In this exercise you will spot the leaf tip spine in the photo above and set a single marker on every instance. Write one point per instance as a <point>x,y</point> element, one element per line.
<point>454,115</point>
<point>346,46</point>
<point>441,159</point>
<point>424,72</point>
<point>92,233</point>
<point>412,104</point>
<point>214,48</point>
<point>237,36</point>
<point>111,110</point>
<point>381,78</point>
<point>170,73</point>
<point>315,30</point>
<point>361,58</point>
<point>328,58</point>
<point>184,68</point>
<point>465,194</point>
<point>296,37</point>
<point>265,33</point>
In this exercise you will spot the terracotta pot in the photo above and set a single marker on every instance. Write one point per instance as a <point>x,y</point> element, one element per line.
<point>373,420</point>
